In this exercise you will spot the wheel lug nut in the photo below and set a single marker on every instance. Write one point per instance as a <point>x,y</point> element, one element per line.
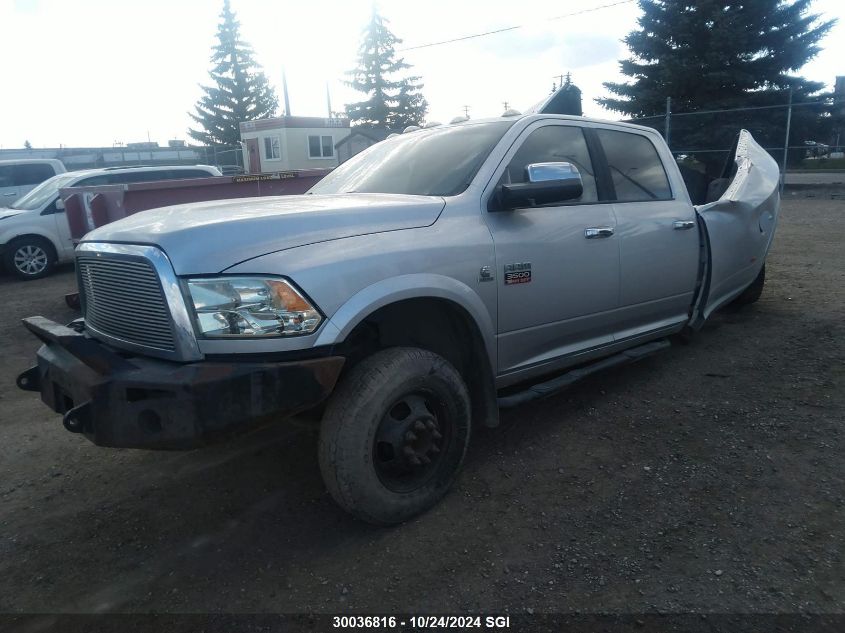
<point>419,426</point>
<point>410,436</point>
<point>436,435</point>
<point>429,425</point>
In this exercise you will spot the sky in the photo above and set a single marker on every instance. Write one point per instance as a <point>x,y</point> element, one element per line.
<point>93,73</point>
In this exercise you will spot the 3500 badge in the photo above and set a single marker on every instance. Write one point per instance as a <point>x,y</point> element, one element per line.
<point>518,273</point>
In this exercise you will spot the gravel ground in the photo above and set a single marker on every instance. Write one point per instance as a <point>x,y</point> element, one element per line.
<point>707,478</point>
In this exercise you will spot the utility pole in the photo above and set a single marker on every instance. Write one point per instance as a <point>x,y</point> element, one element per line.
<point>466,111</point>
<point>506,104</point>
<point>285,90</point>
<point>328,100</point>
<point>667,129</point>
<point>786,140</point>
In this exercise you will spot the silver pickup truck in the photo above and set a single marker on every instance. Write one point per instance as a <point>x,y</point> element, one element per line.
<point>430,280</point>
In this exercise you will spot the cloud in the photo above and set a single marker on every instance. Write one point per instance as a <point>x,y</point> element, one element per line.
<point>583,50</point>
<point>573,50</point>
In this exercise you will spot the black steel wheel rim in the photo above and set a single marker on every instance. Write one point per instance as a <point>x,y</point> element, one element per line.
<point>411,442</point>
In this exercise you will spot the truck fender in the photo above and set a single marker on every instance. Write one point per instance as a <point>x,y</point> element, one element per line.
<point>30,230</point>
<point>418,286</point>
<point>414,286</point>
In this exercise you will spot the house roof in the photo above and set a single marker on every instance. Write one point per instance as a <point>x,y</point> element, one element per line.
<point>375,134</point>
<point>292,122</point>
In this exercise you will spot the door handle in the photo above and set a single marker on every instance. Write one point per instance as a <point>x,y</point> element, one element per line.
<point>683,225</point>
<point>596,232</point>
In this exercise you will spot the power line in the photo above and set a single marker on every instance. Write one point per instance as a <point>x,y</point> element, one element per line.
<point>513,28</point>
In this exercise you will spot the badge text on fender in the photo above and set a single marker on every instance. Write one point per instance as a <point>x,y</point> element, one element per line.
<point>519,273</point>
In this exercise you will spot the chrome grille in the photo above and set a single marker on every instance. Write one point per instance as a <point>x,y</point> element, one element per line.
<point>122,298</point>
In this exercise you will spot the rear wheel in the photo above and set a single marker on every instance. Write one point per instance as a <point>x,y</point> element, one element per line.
<point>30,257</point>
<point>394,435</point>
<point>753,292</point>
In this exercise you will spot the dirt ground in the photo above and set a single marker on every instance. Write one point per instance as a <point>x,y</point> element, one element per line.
<point>707,478</point>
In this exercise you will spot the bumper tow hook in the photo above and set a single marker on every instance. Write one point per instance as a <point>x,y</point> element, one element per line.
<point>78,419</point>
<point>30,380</point>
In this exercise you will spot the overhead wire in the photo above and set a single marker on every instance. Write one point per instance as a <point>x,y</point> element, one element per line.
<point>515,27</point>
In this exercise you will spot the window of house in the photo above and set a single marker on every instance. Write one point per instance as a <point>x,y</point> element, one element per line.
<point>320,146</point>
<point>272,148</point>
<point>635,168</point>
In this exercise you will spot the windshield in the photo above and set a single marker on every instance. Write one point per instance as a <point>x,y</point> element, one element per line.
<point>43,193</point>
<point>434,162</point>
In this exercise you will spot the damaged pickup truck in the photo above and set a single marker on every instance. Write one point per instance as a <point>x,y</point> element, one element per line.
<point>429,280</point>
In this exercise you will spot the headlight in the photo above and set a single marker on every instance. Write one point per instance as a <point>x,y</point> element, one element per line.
<point>250,306</point>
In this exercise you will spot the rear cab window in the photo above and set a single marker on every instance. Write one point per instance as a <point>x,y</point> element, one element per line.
<point>7,176</point>
<point>27,174</point>
<point>636,171</point>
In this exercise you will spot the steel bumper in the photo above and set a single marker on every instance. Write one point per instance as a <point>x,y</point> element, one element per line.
<point>138,402</point>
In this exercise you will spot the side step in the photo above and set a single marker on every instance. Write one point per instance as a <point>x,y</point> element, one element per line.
<point>545,389</point>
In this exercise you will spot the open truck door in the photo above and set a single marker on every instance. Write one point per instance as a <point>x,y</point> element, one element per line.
<point>738,226</point>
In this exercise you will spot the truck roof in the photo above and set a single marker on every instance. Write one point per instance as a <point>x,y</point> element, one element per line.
<point>541,116</point>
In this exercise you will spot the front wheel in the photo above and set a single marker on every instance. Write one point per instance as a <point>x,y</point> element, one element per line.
<point>30,257</point>
<point>394,435</point>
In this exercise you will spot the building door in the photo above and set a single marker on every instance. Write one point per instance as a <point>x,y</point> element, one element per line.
<point>254,156</point>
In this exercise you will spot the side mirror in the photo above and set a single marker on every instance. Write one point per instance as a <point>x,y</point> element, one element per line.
<point>60,205</point>
<point>545,183</point>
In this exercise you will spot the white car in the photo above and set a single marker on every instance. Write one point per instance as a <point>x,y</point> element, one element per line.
<point>34,233</point>
<point>19,176</point>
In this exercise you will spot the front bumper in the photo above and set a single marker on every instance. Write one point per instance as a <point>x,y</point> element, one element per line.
<point>139,402</point>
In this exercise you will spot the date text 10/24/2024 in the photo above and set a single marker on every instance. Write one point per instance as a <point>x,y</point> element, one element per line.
<point>387,622</point>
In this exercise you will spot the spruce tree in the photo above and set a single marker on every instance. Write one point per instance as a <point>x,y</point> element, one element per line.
<point>393,103</point>
<point>240,90</point>
<point>708,54</point>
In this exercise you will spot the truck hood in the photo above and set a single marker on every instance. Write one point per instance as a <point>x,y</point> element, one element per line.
<point>208,237</point>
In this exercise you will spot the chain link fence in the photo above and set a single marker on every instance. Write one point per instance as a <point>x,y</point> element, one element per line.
<point>797,134</point>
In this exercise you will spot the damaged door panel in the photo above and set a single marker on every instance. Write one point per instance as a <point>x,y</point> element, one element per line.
<point>740,224</point>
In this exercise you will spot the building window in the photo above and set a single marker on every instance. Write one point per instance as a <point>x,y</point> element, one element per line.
<point>272,148</point>
<point>320,146</point>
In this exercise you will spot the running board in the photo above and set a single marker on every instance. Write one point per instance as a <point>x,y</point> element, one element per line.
<point>552,386</point>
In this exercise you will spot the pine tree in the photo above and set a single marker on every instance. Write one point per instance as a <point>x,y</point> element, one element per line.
<point>240,92</point>
<point>708,54</point>
<point>27,145</point>
<point>393,103</point>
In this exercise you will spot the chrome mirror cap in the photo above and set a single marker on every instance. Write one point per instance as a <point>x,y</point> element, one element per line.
<point>543,172</point>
